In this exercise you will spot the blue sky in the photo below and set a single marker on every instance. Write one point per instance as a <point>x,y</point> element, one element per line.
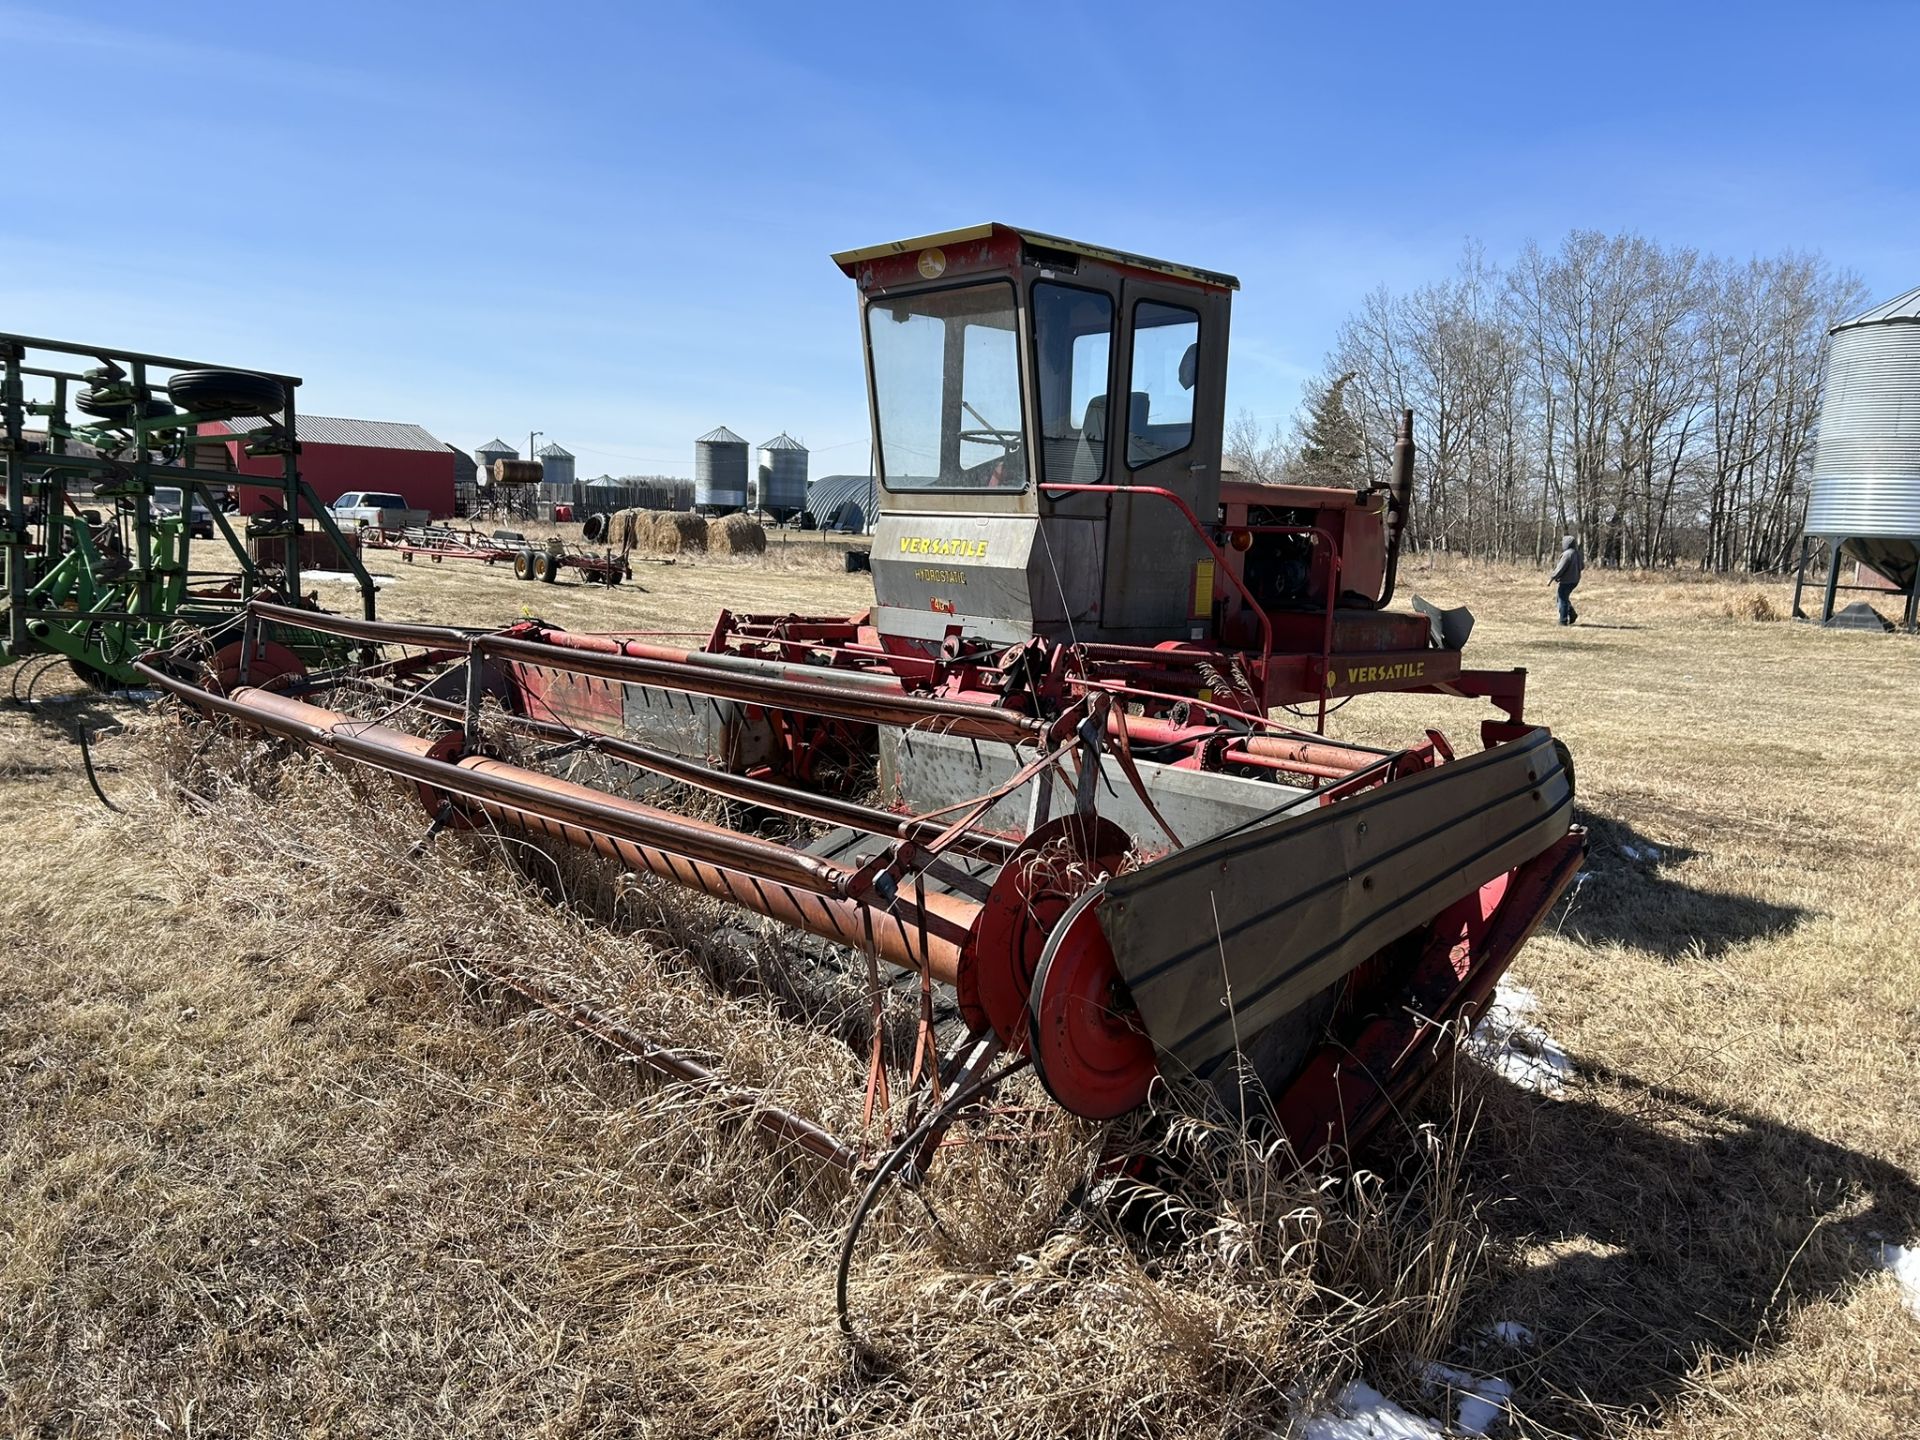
<point>610,222</point>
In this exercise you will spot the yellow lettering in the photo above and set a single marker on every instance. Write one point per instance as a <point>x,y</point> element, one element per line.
<point>928,545</point>
<point>1378,674</point>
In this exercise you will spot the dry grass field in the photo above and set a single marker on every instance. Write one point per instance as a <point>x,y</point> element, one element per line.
<point>270,1165</point>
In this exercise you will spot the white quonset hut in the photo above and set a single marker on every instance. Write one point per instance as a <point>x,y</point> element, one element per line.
<point>842,502</point>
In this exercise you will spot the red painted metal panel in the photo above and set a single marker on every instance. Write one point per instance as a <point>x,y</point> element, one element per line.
<point>423,477</point>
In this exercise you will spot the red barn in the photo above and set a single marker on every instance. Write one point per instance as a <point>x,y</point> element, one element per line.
<point>340,455</point>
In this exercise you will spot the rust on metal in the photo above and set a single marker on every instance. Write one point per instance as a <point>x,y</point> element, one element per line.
<point>782,884</point>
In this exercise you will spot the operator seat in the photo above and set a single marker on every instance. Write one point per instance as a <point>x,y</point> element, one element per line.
<point>1089,456</point>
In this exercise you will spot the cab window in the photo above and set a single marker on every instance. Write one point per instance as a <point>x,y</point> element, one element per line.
<point>1073,342</point>
<point>1166,354</point>
<point>946,386</point>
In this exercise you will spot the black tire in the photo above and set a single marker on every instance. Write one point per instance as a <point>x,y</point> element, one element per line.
<point>523,565</point>
<point>95,679</point>
<point>594,528</point>
<point>546,569</point>
<point>227,392</point>
<point>116,410</point>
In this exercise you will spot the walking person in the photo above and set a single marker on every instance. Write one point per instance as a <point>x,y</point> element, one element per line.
<point>1566,578</point>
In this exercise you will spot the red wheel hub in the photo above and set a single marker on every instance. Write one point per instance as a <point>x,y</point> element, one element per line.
<point>1089,1049</point>
<point>1050,870</point>
<point>272,663</point>
<point>448,748</point>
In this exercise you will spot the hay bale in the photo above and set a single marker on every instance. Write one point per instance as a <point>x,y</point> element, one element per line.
<point>636,528</point>
<point>675,531</point>
<point>622,533</point>
<point>737,535</point>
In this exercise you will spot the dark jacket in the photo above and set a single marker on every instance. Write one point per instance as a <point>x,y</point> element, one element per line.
<point>1567,572</point>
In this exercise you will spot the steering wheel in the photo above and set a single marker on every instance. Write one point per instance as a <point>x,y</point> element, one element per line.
<point>989,433</point>
<point>1007,440</point>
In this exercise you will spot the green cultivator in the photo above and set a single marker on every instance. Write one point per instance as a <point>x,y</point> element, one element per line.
<point>110,470</point>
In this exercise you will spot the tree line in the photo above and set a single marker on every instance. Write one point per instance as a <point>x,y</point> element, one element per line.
<point>1657,402</point>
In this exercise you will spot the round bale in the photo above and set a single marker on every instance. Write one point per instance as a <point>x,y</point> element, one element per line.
<point>737,535</point>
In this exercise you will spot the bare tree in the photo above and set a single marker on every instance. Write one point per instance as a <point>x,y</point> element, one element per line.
<point>1658,402</point>
<point>1257,453</point>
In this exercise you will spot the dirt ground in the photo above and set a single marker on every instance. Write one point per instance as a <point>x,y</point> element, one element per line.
<point>268,1167</point>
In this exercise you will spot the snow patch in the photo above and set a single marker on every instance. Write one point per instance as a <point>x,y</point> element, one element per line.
<point>1524,1054</point>
<point>1361,1412</point>
<point>1512,1332</point>
<point>342,577</point>
<point>1479,1400</point>
<point>1514,999</point>
<point>1904,1263</point>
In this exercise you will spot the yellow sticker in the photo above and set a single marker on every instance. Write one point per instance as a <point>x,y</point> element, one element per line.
<point>933,263</point>
<point>1203,589</point>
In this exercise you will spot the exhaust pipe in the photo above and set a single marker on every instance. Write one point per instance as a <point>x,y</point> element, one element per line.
<point>1399,505</point>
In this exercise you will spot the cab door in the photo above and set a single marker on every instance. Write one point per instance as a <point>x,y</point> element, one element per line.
<point>1169,412</point>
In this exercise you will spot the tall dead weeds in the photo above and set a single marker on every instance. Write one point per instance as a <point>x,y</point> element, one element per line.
<point>1024,1291</point>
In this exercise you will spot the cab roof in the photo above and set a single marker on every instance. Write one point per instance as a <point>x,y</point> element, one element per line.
<point>848,259</point>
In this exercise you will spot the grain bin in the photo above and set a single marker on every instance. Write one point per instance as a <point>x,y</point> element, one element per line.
<point>556,465</point>
<point>1865,499</point>
<point>493,450</point>
<point>780,486</point>
<point>719,472</point>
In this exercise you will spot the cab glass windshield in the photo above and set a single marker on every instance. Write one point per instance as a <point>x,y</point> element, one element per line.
<point>946,384</point>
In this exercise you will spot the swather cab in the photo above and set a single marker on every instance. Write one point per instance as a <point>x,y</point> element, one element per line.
<point>1004,370</point>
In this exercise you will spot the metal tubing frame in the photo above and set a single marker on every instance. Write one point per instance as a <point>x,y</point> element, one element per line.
<point>833,702</point>
<point>798,889</point>
<point>1224,566</point>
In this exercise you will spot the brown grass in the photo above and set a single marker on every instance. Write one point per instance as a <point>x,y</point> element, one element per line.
<point>1752,606</point>
<point>273,1162</point>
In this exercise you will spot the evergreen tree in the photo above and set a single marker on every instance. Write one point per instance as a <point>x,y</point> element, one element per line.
<point>1330,443</point>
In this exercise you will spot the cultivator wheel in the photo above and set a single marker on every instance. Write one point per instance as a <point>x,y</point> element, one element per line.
<point>227,392</point>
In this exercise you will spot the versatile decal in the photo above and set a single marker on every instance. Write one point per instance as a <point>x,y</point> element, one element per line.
<point>1377,674</point>
<point>946,549</point>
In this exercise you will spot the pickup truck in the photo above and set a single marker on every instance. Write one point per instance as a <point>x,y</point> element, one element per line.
<point>166,503</point>
<point>381,509</point>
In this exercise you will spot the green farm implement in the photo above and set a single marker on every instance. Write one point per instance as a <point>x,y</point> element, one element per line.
<point>109,469</point>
